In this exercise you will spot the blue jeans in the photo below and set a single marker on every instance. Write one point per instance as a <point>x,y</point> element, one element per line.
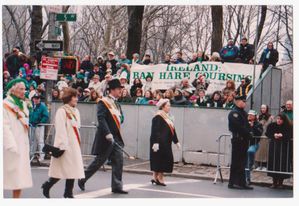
<point>250,160</point>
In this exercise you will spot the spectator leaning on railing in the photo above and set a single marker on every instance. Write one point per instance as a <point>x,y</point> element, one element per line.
<point>246,52</point>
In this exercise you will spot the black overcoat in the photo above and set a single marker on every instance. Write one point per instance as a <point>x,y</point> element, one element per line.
<point>162,160</point>
<point>280,150</point>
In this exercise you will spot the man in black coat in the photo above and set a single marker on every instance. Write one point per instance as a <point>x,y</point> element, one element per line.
<point>13,63</point>
<point>246,52</point>
<point>241,132</point>
<point>108,142</point>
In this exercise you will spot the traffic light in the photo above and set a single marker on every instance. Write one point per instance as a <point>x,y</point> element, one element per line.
<point>69,65</point>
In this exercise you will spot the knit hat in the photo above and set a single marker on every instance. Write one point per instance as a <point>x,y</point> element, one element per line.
<point>15,81</point>
<point>161,102</point>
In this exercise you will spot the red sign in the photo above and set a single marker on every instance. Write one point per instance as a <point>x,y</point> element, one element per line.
<point>49,68</point>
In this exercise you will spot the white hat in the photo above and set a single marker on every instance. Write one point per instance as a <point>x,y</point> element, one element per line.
<point>100,57</point>
<point>161,102</point>
<point>252,112</point>
<point>123,76</point>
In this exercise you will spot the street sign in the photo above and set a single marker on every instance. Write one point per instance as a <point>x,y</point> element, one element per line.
<point>49,68</point>
<point>66,17</point>
<point>48,45</point>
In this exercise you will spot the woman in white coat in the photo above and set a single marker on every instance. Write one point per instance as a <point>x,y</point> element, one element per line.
<point>16,163</point>
<point>69,165</point>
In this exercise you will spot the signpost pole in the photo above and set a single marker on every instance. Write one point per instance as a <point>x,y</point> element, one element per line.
<point>51,36</point>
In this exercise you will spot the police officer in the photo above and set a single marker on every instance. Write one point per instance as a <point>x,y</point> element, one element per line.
<point>241,132</point>
<point>108,141</point>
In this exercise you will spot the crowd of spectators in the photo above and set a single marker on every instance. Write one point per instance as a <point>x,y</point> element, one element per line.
<point>92,77</point>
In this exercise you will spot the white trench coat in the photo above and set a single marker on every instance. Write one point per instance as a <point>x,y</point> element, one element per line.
<point>70,164</point>
<point>16,161</point>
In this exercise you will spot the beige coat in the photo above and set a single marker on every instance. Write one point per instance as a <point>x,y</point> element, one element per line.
<point>16,162</point>
<point>70,164</point>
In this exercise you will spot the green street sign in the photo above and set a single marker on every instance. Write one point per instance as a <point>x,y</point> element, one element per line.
<point>66,17</point>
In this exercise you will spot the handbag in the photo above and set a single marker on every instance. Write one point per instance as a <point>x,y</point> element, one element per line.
<point>54,151</point>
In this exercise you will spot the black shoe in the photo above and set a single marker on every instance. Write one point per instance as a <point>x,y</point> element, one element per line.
<point>81,184</point>
<point>120,191</point>
<point>46,190</point>
<point>153,181</point>
<point>234,186</point>
<point>246,187</point>
<point>160,183</point>
<point>66,195</point>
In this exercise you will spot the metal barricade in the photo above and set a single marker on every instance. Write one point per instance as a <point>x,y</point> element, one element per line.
<point>87,133</point>
<point>278,156</point>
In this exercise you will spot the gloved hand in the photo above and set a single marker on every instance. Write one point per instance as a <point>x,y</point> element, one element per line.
<point>178,145</point>
<point>155,147</point>
<point>110,138</point>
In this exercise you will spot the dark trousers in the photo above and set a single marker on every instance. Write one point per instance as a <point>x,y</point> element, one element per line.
<point>69,184</point>
<point>238,162</point>
<point>116,156</point>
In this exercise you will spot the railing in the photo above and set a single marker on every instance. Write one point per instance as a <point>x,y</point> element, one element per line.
<point>278,156</point>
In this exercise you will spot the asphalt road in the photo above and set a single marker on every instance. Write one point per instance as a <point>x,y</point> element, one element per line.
<point>139,186</point>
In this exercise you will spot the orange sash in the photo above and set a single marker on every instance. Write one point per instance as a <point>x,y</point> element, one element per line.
<point>74,128</point>
<point>113,115</point>
<point>19,117</point>
<point>170,126</point>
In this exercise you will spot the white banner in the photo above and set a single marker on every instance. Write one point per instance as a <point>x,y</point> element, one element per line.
<point>217,73</point>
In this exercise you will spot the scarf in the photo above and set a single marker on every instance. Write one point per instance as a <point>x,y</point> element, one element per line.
<point>168,119</point>
<point>18,101</point>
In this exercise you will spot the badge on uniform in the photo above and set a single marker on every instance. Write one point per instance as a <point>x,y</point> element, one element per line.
<point>235,115</point>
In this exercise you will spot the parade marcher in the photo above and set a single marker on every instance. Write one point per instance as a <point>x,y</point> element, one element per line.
<point>280,158</point>
<point>69,165</point>
<point>38,115</point>
<point>162,135</point>
<point>16,162</point>
<point>108,139</point>
<point>256,131</point>
<point>241,134</point>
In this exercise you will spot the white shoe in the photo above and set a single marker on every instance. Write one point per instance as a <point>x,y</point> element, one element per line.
<point>259,168</point>
<point>264,169</point>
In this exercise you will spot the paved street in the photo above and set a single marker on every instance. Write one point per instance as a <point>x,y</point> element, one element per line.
<point>139,186</point>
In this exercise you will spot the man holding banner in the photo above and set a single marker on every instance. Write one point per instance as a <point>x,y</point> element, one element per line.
<point>108,142</point>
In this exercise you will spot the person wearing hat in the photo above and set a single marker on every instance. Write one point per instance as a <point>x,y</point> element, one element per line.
<point>148,83</point>
<point>256,130</point>
<point>163,133</point>
<point>135,59</point>
<point>124,81</point>
<point>147,59</point>
<point>38,115</point>
<point>108,138</point>
<point>95,83</point>
<point>241,134</point>
<point>113,61</point>
<point>16,162</point>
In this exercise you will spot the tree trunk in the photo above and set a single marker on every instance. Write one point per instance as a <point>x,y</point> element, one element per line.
<point>135,14</point>
<point>261,25</point>
<point>217,24</point>
<point>108,31</point>
<point>36,27</point>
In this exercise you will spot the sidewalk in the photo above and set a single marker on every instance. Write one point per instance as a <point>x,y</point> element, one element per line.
<point>139,166</point>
